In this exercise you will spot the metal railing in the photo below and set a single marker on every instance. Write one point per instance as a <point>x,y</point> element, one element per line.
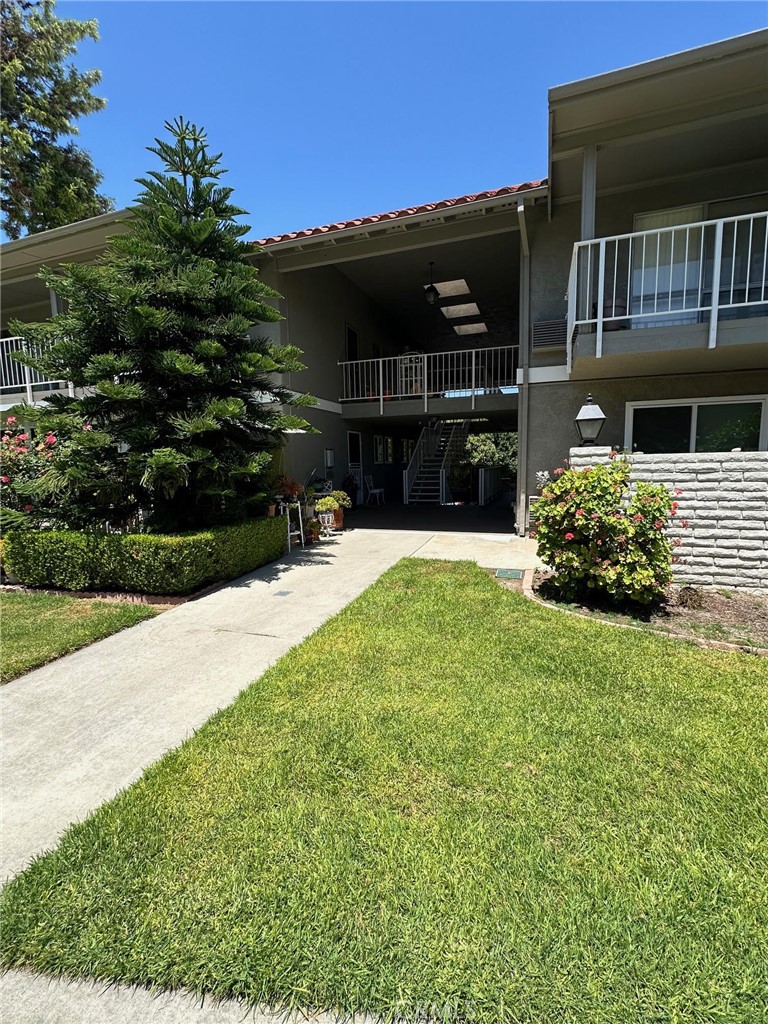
<point>685,274</point>
<point>14,376</point>
<point>462,374</point>
<point>425,446</point>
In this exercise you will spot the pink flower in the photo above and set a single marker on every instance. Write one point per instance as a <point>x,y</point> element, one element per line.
<point>50,438</point>
<point>678,490</point>
<point>658,524</point>
<point>637,519</point>
<point>559,471</point>
<point>11,419</point>
<point>23,437</point>
<point>87,426</point>
<point>684,523</point>
<point>599,540</point>
<point>595,515</point>
<point>28,508</point>
<point>4,479</point>
<point>569,536</point>
<point>675,506</point>
<point>580,512</point>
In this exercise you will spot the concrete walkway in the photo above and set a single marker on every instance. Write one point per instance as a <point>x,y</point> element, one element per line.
<point>79,730</point>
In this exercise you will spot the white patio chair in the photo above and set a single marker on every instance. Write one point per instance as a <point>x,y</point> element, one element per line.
<point>374,492</point>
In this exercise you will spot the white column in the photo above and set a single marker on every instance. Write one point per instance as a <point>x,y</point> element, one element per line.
<point>588,191</point>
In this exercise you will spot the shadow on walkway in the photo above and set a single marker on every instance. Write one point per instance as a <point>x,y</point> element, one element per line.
<point>495,518</point>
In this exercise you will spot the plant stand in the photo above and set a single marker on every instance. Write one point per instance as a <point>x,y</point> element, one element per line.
<point>295,533</point>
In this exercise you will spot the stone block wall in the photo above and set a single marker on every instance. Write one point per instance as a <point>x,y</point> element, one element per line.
<point>724,502</point>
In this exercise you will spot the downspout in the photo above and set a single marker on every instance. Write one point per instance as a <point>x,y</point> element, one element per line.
<point>524,354</point>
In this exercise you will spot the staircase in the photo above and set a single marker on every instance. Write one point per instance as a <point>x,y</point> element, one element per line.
<point>426,479</point>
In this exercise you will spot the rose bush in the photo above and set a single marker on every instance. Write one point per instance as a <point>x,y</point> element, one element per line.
<point>599,536</point>
<point>23,461</point>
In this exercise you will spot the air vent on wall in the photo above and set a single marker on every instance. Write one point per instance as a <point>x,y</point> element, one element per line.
<point>549,334</point>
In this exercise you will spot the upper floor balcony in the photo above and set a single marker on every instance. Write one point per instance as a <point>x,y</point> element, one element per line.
<point>19,383</point>
<point>668,291</point>
<point>431,382</point>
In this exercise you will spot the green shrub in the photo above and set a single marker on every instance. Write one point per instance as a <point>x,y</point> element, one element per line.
<point>145,563</point>
<point>600,537</point>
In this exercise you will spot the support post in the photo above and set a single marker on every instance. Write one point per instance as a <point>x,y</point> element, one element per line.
<point>588,191</point>
<point>600,298</point>
<point>381,386</point>
<point>424,379</point>
<point>715,301</point>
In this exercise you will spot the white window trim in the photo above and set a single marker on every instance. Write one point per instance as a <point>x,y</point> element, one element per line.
<point>630,407</point>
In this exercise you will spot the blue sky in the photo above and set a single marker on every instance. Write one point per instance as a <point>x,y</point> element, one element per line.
<point>326,111</point>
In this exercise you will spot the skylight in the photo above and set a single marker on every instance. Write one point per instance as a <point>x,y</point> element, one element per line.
<point>464,309</point>
<point>446,289</point>
<point>471,328</point>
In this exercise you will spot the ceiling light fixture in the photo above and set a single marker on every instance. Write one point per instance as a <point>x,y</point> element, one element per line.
<point>431,293</point>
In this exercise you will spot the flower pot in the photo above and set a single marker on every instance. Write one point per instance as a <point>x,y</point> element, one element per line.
<point>338,518</point>
<point>271,509</point>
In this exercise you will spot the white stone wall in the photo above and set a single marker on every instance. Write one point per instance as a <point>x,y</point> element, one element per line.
<point>724,502</point>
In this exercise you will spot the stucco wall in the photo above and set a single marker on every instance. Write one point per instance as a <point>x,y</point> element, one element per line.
<point>553,408</point>
<point>317,305</point>
<point>722,519</point>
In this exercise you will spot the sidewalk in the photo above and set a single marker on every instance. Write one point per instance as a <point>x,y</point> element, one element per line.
<point>79,730</point>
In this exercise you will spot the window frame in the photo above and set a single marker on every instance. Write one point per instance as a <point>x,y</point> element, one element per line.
<point>378,449</point>
<point>694,403</point>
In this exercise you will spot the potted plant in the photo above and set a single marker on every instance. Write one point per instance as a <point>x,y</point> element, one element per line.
<point>326,509</point>
<point>343,501</point>
<point>313,529</point>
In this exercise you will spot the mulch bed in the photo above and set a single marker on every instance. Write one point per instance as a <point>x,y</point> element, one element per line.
<point>716,614</point>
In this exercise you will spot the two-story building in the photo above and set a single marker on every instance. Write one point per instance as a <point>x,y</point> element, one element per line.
<point>636,270</point>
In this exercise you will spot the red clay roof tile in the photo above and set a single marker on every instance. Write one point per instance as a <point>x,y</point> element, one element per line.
<point>377,218</point>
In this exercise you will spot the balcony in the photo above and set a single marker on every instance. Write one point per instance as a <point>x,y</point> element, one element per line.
<point>19,382</point>
<point>432,382</point>
<point>684,286</point>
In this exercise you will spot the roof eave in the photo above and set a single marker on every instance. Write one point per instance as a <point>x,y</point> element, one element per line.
<point>411,219</point>
<point>660,65</point>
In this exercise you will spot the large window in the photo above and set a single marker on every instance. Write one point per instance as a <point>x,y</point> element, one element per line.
<point>706,425</point>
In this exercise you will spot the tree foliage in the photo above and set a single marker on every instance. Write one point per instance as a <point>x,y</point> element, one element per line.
<point>493,450</point>
<point>46,182</point>
<point>179,408</point>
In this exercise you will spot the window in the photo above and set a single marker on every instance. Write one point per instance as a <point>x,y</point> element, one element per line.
<point>378,449</point>
<point>389,449</point>
<point>707,425</point>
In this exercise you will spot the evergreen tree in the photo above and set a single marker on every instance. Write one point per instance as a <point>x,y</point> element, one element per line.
<point>181,411</point>
<point>45,182</point>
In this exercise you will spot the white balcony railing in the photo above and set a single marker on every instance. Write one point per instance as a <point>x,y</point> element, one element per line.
<point>687,274</point>
<point>15,377</point>
<point>465,374</point>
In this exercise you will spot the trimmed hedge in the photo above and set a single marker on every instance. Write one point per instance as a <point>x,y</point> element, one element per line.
<point>144,563</point>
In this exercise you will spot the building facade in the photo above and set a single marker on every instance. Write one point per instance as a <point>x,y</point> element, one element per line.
<point>636,270</point>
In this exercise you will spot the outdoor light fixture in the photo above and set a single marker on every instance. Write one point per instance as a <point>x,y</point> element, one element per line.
<point>431,293</point>
<point>589,421</point>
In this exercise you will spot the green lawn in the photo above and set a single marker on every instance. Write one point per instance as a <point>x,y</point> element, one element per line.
<point>448,800</point>
<point>36,628</point>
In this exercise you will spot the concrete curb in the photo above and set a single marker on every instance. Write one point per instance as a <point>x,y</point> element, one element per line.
<point>716,645</point>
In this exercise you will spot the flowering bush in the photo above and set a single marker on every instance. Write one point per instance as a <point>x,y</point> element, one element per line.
<point>23,461</point>
<point>598,536</point>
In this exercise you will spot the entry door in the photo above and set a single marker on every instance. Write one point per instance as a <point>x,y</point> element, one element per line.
<point>355,459</point>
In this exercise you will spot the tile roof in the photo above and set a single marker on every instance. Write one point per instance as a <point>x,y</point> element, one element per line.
<point>378,218</point>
